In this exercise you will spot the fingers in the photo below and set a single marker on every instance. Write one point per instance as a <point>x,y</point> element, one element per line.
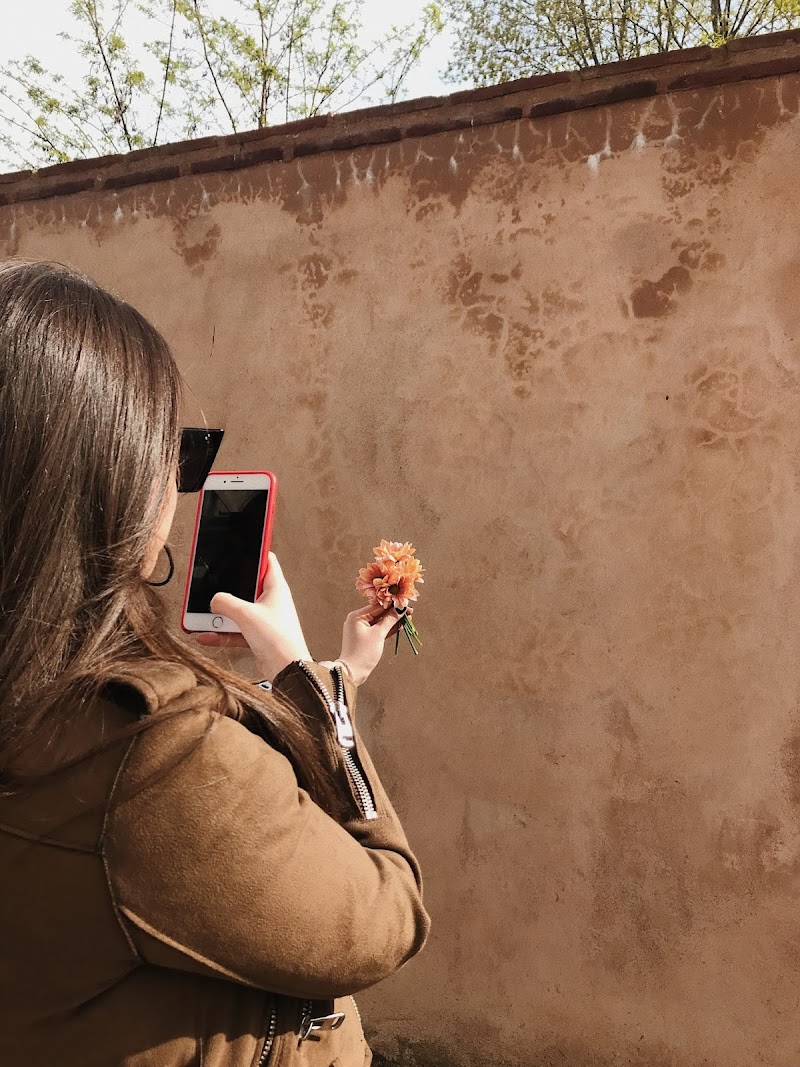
<point>274,576</point>
<point>215,640</point>
<point>375,612</point>
<point>388,622</point>
<point>367,611</point>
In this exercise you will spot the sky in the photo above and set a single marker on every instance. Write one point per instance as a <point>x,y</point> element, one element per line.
<point>32,26</point>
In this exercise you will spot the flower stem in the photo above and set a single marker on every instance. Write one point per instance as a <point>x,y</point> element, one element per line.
<point>411,633</point>
<point>410,630</point>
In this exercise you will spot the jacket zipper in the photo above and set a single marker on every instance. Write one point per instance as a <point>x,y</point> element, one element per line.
<point>358,1013</point>
<point>345,735</point>
<point>270,1039</point>
<point>306,1008</point>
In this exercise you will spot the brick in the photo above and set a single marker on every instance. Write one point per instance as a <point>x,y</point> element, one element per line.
<point>15,176</point>
<point>311,148</point>
<point>346,141</point>
<point>437,125</point>
<point>556,106</point>
<point>265,133</point>
<point>657,59</point>
<point>612,94</point>
<point>489,92</point>
<point>449,124</point>
<point>67,188</point>
<point>235,160</point>
<point>75,165</point>
<point>769,68</point>
<point>286,129</point>
<point>16,195</point>
<point>702,78</point>
<point>498,114</point>
<point>156,174</point>
<point>162,150</point>
<point>268,154</point>
<point>227,162</point>
<point>315,122</point>
<point>763,40</point>
<point>359,138</point>
<point>627,91</point>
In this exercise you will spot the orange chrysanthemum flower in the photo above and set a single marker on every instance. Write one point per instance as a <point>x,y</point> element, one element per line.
<point>387,585</point>
<point>394,550</point>
<point>391,580</point>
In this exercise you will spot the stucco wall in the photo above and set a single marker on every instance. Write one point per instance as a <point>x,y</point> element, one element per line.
<point>562,356</point>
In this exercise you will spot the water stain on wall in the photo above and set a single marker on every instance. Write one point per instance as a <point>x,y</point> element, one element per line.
<point>730,393</point>
<point>313,274</point>
<point>522,324</point>
<point>653,299</point>
<point>643,882</point>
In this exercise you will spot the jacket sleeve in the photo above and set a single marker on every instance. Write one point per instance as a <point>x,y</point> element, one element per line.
<point>219,864</point>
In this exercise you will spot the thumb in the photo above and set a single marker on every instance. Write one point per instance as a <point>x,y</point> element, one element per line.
<point>386,622</point>
<point>231,607</point>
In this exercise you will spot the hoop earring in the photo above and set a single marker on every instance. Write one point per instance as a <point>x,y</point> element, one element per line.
<point>171,568</point>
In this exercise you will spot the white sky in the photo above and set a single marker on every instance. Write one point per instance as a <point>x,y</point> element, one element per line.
<point>31,26</point>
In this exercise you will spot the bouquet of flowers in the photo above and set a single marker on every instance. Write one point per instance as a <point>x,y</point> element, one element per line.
<point>391,580</point>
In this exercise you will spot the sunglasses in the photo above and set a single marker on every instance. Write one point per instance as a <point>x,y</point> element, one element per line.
<point>199,448</point>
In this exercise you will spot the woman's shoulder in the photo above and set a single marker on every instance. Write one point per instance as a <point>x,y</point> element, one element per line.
<point>148,686</point>
<point>183,732</point>
<point>174,713</point>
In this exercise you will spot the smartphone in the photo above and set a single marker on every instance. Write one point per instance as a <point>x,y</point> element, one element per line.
<point>230,546</point>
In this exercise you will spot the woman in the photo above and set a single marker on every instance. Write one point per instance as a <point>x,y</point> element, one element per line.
<point>189,875</point>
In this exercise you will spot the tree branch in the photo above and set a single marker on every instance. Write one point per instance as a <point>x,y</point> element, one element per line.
<point>94,22</point>
<point>289,58</point>
<point>166,70</point>
<point>201,31</point>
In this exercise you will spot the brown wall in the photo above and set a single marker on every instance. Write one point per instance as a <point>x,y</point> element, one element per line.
<point>562,356</point>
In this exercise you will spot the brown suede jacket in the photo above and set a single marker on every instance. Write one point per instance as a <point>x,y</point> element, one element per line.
<point>169,903</point>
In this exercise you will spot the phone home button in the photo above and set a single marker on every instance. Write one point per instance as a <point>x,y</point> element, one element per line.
<point>217,622</point>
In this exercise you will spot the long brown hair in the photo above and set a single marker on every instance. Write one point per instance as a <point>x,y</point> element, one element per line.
<point>89,429</point>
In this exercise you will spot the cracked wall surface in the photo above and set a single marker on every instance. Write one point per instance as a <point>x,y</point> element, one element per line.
<point>562,357</point>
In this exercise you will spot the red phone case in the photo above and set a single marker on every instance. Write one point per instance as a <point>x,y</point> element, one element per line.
<point>266,540</point>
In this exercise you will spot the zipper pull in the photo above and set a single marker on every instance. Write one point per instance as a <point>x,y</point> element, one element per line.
<point>310,1025</point>
<point>341,716</point>
<point>344,724</point>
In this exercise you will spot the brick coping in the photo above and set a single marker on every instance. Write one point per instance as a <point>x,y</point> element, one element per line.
<point>769,55</point>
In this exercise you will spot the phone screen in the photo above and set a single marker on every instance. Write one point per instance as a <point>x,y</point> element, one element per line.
<point>228,545</point>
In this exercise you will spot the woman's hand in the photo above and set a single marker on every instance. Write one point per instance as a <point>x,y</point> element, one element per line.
<point>363,637</point>
<point>270,627</point>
